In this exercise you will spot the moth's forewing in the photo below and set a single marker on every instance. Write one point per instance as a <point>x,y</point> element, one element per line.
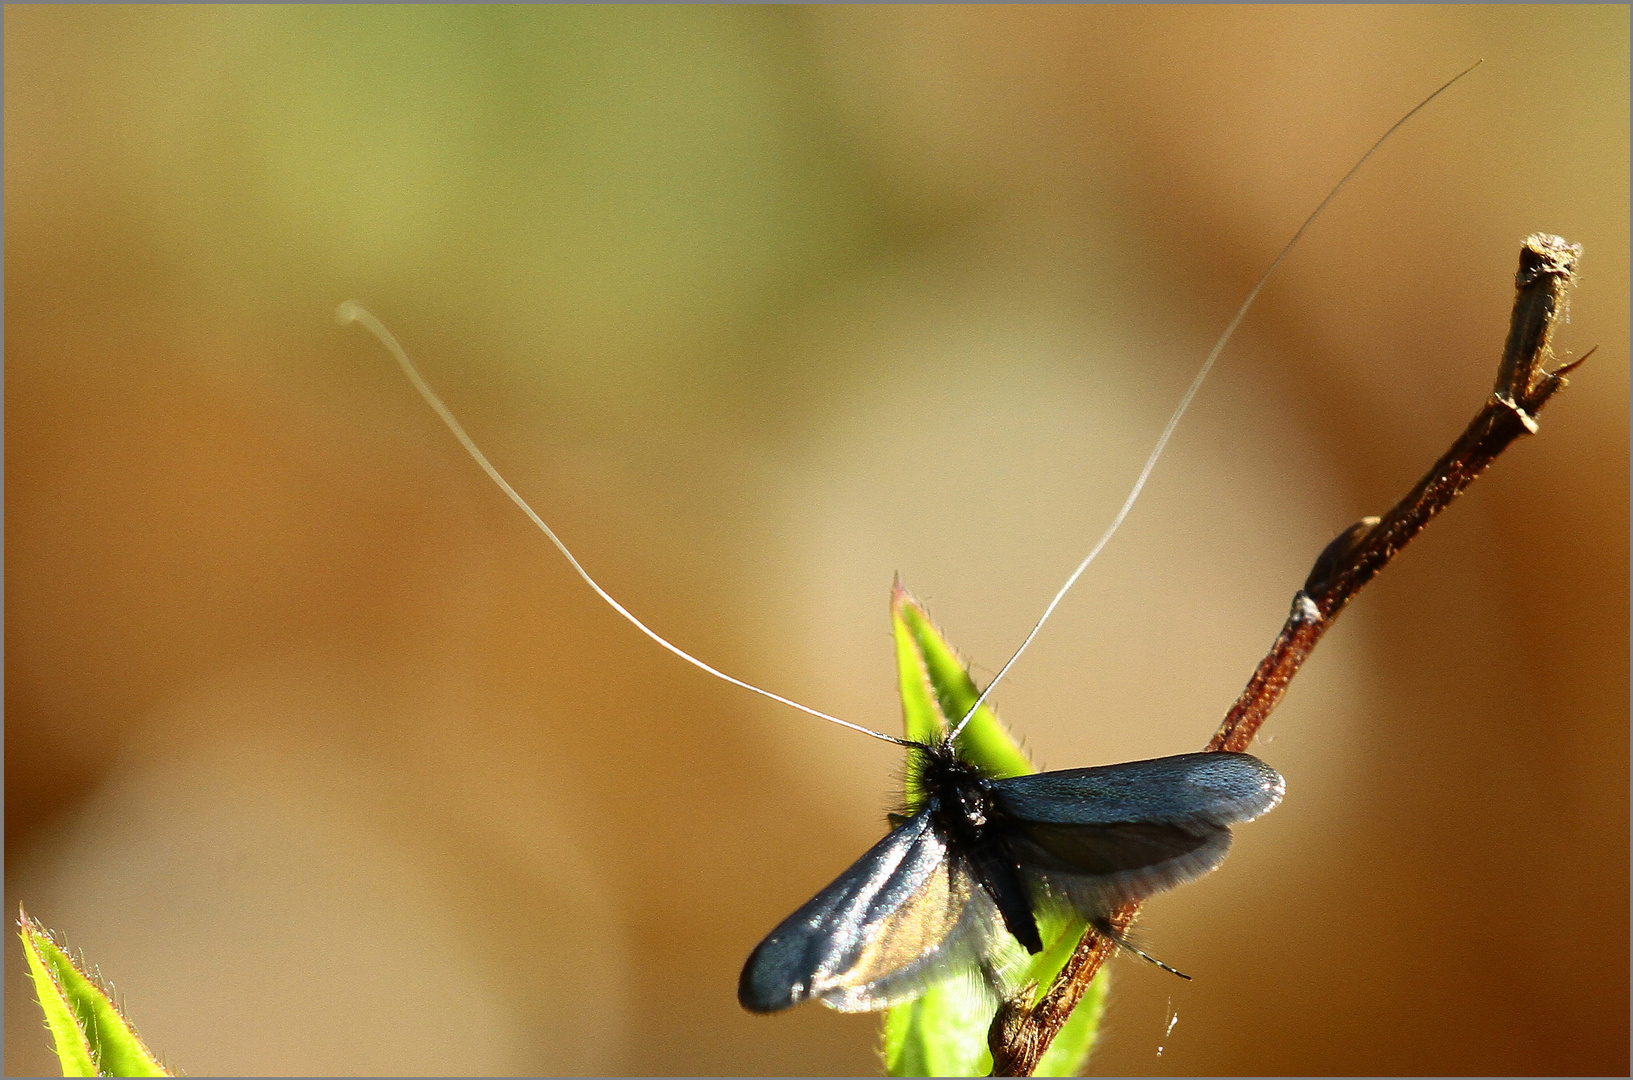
<point>1091,840</point>
<point>903,916</point>
<point>1221,788</point>
<point>949,930</point>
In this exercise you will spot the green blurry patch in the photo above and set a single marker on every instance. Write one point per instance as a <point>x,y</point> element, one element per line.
<point>618,190</point>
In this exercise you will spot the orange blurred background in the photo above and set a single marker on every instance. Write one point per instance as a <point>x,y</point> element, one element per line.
<point>332,766</point>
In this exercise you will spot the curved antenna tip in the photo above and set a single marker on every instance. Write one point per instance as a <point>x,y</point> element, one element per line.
<point>1190,394</point>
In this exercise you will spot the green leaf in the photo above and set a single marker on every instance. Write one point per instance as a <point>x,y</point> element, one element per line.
<point>937,691</point>
<point>944,1032</point>
<point>92,1036</point>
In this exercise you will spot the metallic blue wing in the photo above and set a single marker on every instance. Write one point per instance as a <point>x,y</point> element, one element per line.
<point>1220,788</point>
<point>906,914</point>
<point>1091,840</point>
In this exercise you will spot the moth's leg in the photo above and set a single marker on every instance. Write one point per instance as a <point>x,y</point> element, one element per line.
<point>1104,927</point>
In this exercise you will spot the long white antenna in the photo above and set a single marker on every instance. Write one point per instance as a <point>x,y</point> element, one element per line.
<point>1190,393</point>
<point>351,312</point>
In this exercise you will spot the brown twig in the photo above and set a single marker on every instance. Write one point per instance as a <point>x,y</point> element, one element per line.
<point>1020,1035</point>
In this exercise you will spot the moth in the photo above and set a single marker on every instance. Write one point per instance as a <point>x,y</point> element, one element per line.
<point>968,881</point>
<point>951,888</point>
<point>984,857</point>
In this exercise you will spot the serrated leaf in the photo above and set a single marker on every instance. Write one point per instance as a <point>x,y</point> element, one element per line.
<point>92,1036</point>
<point>922,717</point>
<point>944,1032</point>
<point>937,691</point>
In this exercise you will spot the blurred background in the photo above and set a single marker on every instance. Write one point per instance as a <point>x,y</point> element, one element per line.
<point>330,763</point>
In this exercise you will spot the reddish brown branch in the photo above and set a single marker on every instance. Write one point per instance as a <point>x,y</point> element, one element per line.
<point>1019,1036</point>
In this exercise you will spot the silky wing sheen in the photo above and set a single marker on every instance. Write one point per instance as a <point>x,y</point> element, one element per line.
<point>1091,840</point>
<point>904,915</point>
<point>1219,788</point>
<point>911,911</point>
